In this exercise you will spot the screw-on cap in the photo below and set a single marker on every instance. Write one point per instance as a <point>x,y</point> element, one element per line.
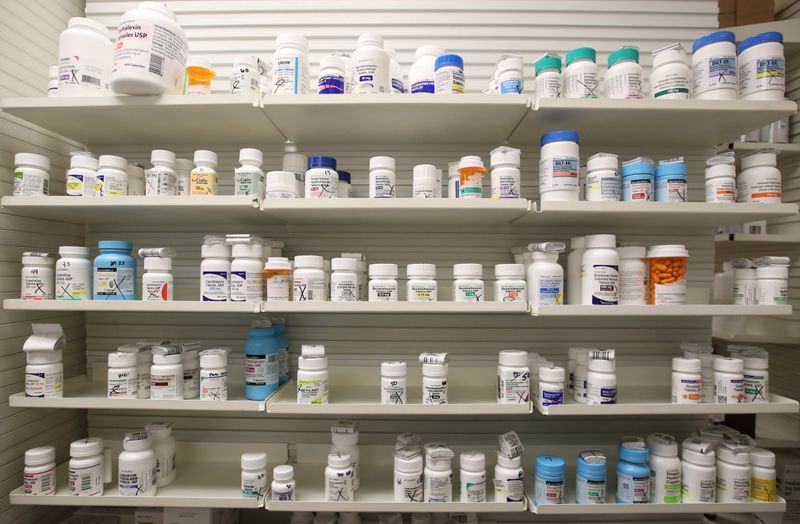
<point>513,358</point>
<point>733,453</point>
<point>761,38</point>
<point>509,271</point>
<point>635,252</point>
<point>671,169</point>
<point>698,452</point>
<point>162,156</point>
<point>190,356</point>
<point>637,166</point>
<point>250,250</point>
<point>633,451</point>
<point>755,361</point>
<point>449,60</point>
<point>421,172</point>
<point>713,38</point>
<point>312,363</point>
<point>344,264</point>
<point>504,155</point>
<point>370,39</point>
<point>667,250</point>
<point>719,170</point>
<point>428,50</point>
<point>82,162</point>
<point>508,462</point>
<point>547,62</point>
<point>136,441</point>
<point>577,243</point>
<point>662,445</point>
<point>86,447</point>
<point>470,161</point>
<point>468,271</point>
<point>550,466</point>
<point>254,460</point>
<point>283,473</point>
<point>213,358</point>
<point>472,461</point>
<point>558,136</point>
<point>40,455</point>
<point>686,365</point>
<point>382,162</point>
<point>158,263</point>
<point>183,165</point>
<point>88,23</point>
<point>407,461</point>
<point>421,270</point>
<point>326,162</point>
<point>344,176</point>
<point>248,154</point>
<point>292,40</point>
<point>728,365</point>
<point>31,159</point>
<point>601,241</point>
<point>603,161</point>
<point>205,156</point>
<point>624,53</point>
<point>601,365</point>
<point>581,53</point>
<point>281,181</point>
<point>78,251</point>
<point>668,54</point>
<point>332,62</point>
<point>393,369</point>
<point>43,357</point>
<point>278,263</point>
<point>551,374</point>
<point>509,63</point>
<point>122,360</point>
<point>112,162</point>
<point>175,358</point>
<point>764,157</point>
<point>308,261</point>
<point>245,60</point>
<point>434,370</point>
<point>383,270</point>
<point>340,459</point>
<point>159,430</point>
<point>762,457</point>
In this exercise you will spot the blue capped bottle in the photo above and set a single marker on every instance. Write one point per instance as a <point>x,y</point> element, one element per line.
<point>114,271</point>
<point>261,368</point>
<point>633,472</point>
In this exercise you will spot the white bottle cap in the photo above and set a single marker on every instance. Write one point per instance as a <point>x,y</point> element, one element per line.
<point>509,271</point>
<point>686,365</point>
<point>339,459</point>
<point>601,241</point>
<point>381,162</point>
<point>83,162</point>
<point>552,374</point>
<point>601,366</point>
<point>308,261</point>
<point>452,170</point>
<point>762,458</point>
<point>159,430</point>
<point>86,447</point>
<point>43,357</point>
<point>422,172</point>
<point>163,156</point>
<point>135,170</point>
<point>755,362</point>
<point>434,370</point>
<point>276,263</point>
<point>73,251</point>
<point>781,272</point>
<point>509,63</point>
<point>421,270</point>
<point>251,155</point>
<point>190,356</point>
<point>294,163</point>
<point>759,158</point>
<point>509,462</point>
<point>407,461</point>
<point>344,264</point>
<point>215,251</point>
<point>175,358</point>
<point>254,460</point>
<point>467,271</point>
<point>635,252</point>
<point>728,365</point>
<point>217,359</point>
<point>312,363</point>
<point>283,181</point>
<point>734,453</point>
<point>603,161</point>
<point>333,62</point>
<point>291,39</point>
<point>199,62</point>
<point>719,170</point>
<point>370,39</point>
<point>667,54</point>
<point>122,360</point>
<point>283,473</point>
<point>472,461</point>
<point>393,369</point>
<point>513,358</point>
<point>428,50</point>
<point>136,441</point>
<point>40,455</point>
<point>383,270</point>
<point>470,161</point>
<point>250,250</point>
<point>31,159</point>
<point>577,243</point>
<point>504,155</point>
<point>662,445</point>
<point>158,263</point>
<point>112,161</point>
<point>668,250</point>
<point>205,156</point>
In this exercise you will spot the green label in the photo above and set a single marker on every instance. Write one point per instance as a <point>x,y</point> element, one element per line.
<point>671,91</point>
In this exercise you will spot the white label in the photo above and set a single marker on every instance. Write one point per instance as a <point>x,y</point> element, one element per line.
<point>670,85</point>
<point>82,72</point>
<point>626,85</point>
<point>702,491</point>
<point>728,389</point>
<point>165,465</point>
<point>156,290</point>
<point>86,481</point>
<point>312,391</point>
<point>381,185</point>
<point>114,282</point>
<point>506,185</point>
<point>248,180</point>
<point>167,387</point>
<point>509,489</point>
<point>409,489</point>
<point>37,284</point>
<point>438,488</point>
<point>548,491</point>
<point>669,490</point>
<point>449,80</point>
<point>686,390</point>
<point>393,390</point>
<point>278,287</point>
<point>71,284</point>
<point>44,385</point>
<point>136,482</point>
<point>761,73</point>
<point>321,184</point>
<point>150,49</point>
<point>765,189</point>
<point>637,189</point>
<point>339,486</point>
<point>548,85</point>
<point>558,174</point>
<point>284,493</point>
<point>467,292</point>
<point>590,491</point>
<point>674,293</point>
<point>214,286</point>
<point>550,394</point>
<point>475,491</point>
<point>214,385</point>
<point>434,390</point>
<point>633,286</point>
<point>159,183</point>
<point>421,292</point>
<point>514,387</point>
<point>122,384</point>
<point>29,183</point>
<point>736,489</point>
<point>382,292</point>
<point>581,84</point>
<point>245,80</point>
<point>671,190</point>
<point>600,394</point>
<point>254,486</point>
<point>744,292</point>
<point>183,185</point>
<point>308,289</point>
<point>261,370</point>
<point>510,292</point>
<point>602,188</point>
<point>548,290</point>
<point>113,184</point>
<point>756,387</point>
<point>721,189</point>
<point>772,292</point>
<point>633,490</point>
<point>715,72</point>
<point>604,281</point>
<point>344,290</point>
<point>80,184</point>
<point>43,483</point>
<point>289,75</point>
<point>246,286</point>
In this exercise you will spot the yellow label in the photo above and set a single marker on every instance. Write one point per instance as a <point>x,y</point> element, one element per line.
<point>203,184</point>
<point>763,489</point>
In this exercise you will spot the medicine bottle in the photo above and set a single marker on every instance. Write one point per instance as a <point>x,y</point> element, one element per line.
<point>344,280</point>
<point>438,473</point>
<point>312,380</point>
<point>425,181</point>
<point>633,472</point>
<point>728,380</point>
<point>339,477</point>
<point>31,175</point>
<point>602,178</point>
<point>144,359</point>
<point>245,79</point>
<point>472,474</point>
<point>164,450</point>
<point>261,368</point>
<point>581,79</point>
<point>142,64</point>
<point>601,382</point>
<point>558,166</point>
<point>114,271</point>
<point>551,386</point>
<point>81,176</point>
<point>214,374</point>
<point>600,271</point>
<point>86,469</point>
<point>37,277</point>
<point>157,282</point>
<point>396,85</point>
<point>549,480</point>
<point>421,285</point>
<point>183,176</point>
<point>84,58</point>
<point>759,181</point>
<point>344,439</point>
<point>44,374</point>
<point>331,75</point>
<point>733,472</point>
<point>112,176</point>
<point>199,75</point>
<point>454,181</point>
<point>574,259</point>
<point>468,283</point>
<point>698,471</point>
<point>763,475</point>
<point>509,73</point>
<point>254,474</point>
<point>756,377</point>
<point>449,75</point>
<point>371,66</point>
<point>671,181</point>
<point>667,279</point>
<point>393,383</point>
<point>290,65</point>
<point>247,273</point>
<point>248,179</point>
<point>510,284</point>
<point>344,187</point>
<point>408,475</point>
<point>215,269</point>
<point>434,383</point>
<point>548,77</point>
<point>278,274</point>
<point>204,174</point>
<point>545,280</point>
<point>761,67</point>
<point>590,478</point>
<point>638,180</point>
<point>687,381</point>
<point>665,469</point>
<point>280,184</point>
<point>745,286</point>
<point>283,483</point>
<point>161,180</point>
<point>381,177</point>
<point>383,282</point>
<point>513,377</point>
<point>714,67</point>
<point>123,381</point>
<point>624,78</point>
<point>322,179</point>
<point>470,174</point>
<point>632,276</point>
<point>508,479</point>
<point>166,375</point>
<point>137,466</point>
<point>505,176</point>
<point>39,474</point>
<point>706,357</point>
<point>136,182</point>
<point>422,73</point>
<point>190,358</point>
<point>308,281</point>
<point>720,178</point>
<point>671,77</point>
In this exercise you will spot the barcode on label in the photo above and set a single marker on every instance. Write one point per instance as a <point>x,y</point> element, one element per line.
<point>44,483</point>
<point>86,79</point>
<point>86,483</point>
<point>156,65</point>
<point>602,354</point>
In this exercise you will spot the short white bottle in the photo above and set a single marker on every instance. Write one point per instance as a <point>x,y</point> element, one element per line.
<point>86,470</point>
<point>393,383</point>
<point>39,474</point>
<point>425,181</point>
<point>601,382</point>
<point>698,471</point>
<point>473,476</point>
<point>438,478</point>
<point>166,377</point>
<point>745,285</point>
<point>577,246</point>
<point>408,475</point>
<point>248,179</point>
<point>371,66</point>
<point>312,380</point>
<point>283,483</point>
<point>602,178</point>
<point>763,475</point>
<point>308,281</point>
<point>733,472</point>
<point>728,380</point>
<point>161,180</point>
<point>434,384</point>
<point>421,285</point>
<point>665,469</point>
<point>551,386</point>
<point>254,474</point>
<point>513,377</point>
<point>382,180</point>
<point>247,273</point>
<point>344,280</point>
<point>772,285</point>
<point>508,479</point>
<point>136,181</point>
<point>505,176</point>
<point>671,76</point>
<point>756,377</point>
<point>339,478</point>
<point>44,374</point>
<point>214,374</point>
<point>82,175</point>
<point>164,447</point>
<point>157,281</point>
<point>137,466</point>
<point>73,275</point>
<point>759,181</point>
<point>382,283</point>
<point>190,359</point>
<point>510,284</point>
<point>468,283</point>
<point>183,175</point>
<point>204,175</point>
<point>215,269</point>
<point>112,176</point>
<point>545,280</point>
<point>600,271</point>
<point>123,381</point>
<point>687,381</point>
<point>633,276</point>
<point>422,73</point>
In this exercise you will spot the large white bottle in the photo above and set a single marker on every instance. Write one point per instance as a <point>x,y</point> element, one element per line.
<point>421,75</point>
<point>371,66</point>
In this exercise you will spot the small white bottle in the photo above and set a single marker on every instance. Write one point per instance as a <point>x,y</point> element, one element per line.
<point>473,476</point>
<point>344,280</point>
<point>397,87</point>
<point>438,473</point>
<point>382,283</point>
<point>344,439</point>
<point>215,269</point>
<point>581,79</point>
<point>509,73</point>
<point>733,472</point>
<point>112,176</point>
<point>308,281</point>
<point>720,178</point>
<point>577,246</point>
<point>408,475</point>
<point>551,386</point>
<point>421,285</point>
<point>745,285</point>
<point>331,79</point>
<point>687,381</point>
<point>665,469</point>
<point>164,448</point>
<point>759,181</point>
<point>510,284</point>
<point>425,181</point>
<point>756,377</point>
<point>166,376</point>
<point>393,383</point>
<point>671,77</point>
<point>86,470</point>
<point>249,178</point>
<point>728,380</point>
<point>247,272</point>
<point>183,176</point>
<point>82,175</point>
<point>280,184</point>
<point>468,283</point>
<point>513,377</point>
<point>633,276</point>
<point>624,77</point>
<point>698,471</point>
<point>371,66</point>
<point>161,180</point>
<point>505,176</point>
<point>763,475</point>
<point>339,478</point>
<point>244,76</point>
<point>157,281</point>
<point>545,280</point>
<point>144,359</point>
<point>382,180</point>
<point>312,380</point>
<point>434,383</point>
<point>548,76</point>
<point>31,175</point>
<point>278,277</point>
<point>289,65</point>
<point>581,373</point>
<point>283,483</point>
<point>73,275</point>
<point>123,381</point>
<point>602,178</point>
<point>422,73</point>
<point>600,271</point>
<point>214,374</point>
<point>204,175</point>
<point>37,277</point>
<point>137,466</point>
<point>508,479</point>
<point>772,285</point>
<point>44,374</point>
<point>254,474</point>
<point>52,80</point>
<point>39,474</point>
<point>601,382</point>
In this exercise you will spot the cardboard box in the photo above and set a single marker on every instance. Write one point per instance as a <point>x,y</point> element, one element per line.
<point>149,516</point>
<point>726,20</point>
<point>200,516</point>
<point>754,11</point>
<point>726,6</point>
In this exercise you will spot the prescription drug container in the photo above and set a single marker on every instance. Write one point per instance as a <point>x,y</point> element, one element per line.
<point>136,182</point>
<point>508,479</point>
<point>290,65</point>
<point>633,276</point>
<point>510,284</point>
<point>382,283</point>
<point>505,176</point>
<point>371,66</point>
<point>762,68</point>
<point>625,77</point>
<point>37,276</point>
<point>714,67</point>
<point>763,475</point>
<point>509,72</point>
<point>283,483</point>
<point>671,181</point>
<point>39,473</point>
<point>245,79</point>
<point>204,175</point>
<point>31,175</point>
<point>382,177</point>
<point>687,381</point>
<point>698,471</point>
<point>321,178</point>
<point>393,383</point>
<point>84,59</point>
<point>558,166</point>
<point>123,380</point>
<point>215,269</point>
<point>550,389</point>
<point>638,180</point>
<point>602,178</point>
<point>665,469</point>
<point>44,374</point>
<point>671,77</point>
<point>161,179</point>
<point>590,478</point>
<point>756,377</point>
<point>549,480</point>
<point>468,283</point>
<point>548,76</point>
<point>667,274</point>
<point>331,75</point>
<point>73,274</point>
<point>280,184</point>
<point>449,75</point>
<point>633,472</point>
<point>198,77</point>
<point>421,285</point>
<point>720,177</point>
<point>545,280</point>
<point>513,377</point>
<point>114,271</point>
<point>760,179</point>
<point>248,179</point>
<point>52,80</point>
<point>312,380</point>
<point>600,271</point>
<point>254,474</point>
<point>408,475</point>
<point>772,285</point>
<point>422,73</point>
<point>728,380</point>
<point>601,381</point>
<point>470,173</point>
<point>261,362</point>
<point>438,473</point>
<point>308,280</point>
<point>733,472</point>
<point>137,466</point>
<point>214,374</point>
<point>82,175</point>
<point>581,78</point>
<point>164,449</point>
<point>86,469</point>
<point>425,181</point>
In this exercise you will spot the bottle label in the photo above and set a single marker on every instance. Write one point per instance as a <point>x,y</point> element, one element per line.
<point>558,174</point>
<point>434,391</point>
<point>397,86</point>
<point>382,186</point>
<point>421,292</point>
<point>44,385</point>
<point>203,181</point>
<point>736,489</point>
<point>764,189</point>
<point>214,385</point>
<point>308,289</point>
<point>245,80</point>
<point>633,490</point>
<point>686,390</point>
<point>340,486</point>
<point>114,282</point>
<point>255,367</point>
<point>671,487</point>
<point>90,76</point>
<point>136,482</point>
<point>637,189</point>
<point>467,292</point>
<point>312,391</point>
<point>476,491</point>
<point>721,190</point>
<point>331,85</point>
<point>322,184</point>
<point>716,72</point>
<point>165,465</point>
<point>762,74</point>
<point>344,290</point>
<point>86,481</point>
<point>284,494</point>
<point>505,185</point>
<point>581,84</point>
<point>548,491</point>
<point>214,286</point>
<point>382,293</point>
<point>755,387</point>
<point>551,397</point>
<point>671,190</point>
<point>590,491</point>
<point>633,286</point>
<point>449,80</point>
<point>43,483</point>
<point>254,487</point>
<point>514,387</point>
<point>159,183</point>
<point>35,286</point>
<point>626,85</point>
<point>123,385</point>
<point>79,184</point>
<point>27,183</point>
<point>246,286</point>
<point>548,85</point>
<point>151,49</point>
<point>183,186</point>
<point>674,293</point>
<point>167,386</point>
<point>411,489</point>
<point>549,288</point>
<point>248,181</point>
<point>705,491</point>
<point>289,75</point>
<point>763,489</point>
<point>511,86</point>
<point>156,290</point>
<point>602,188</point>
<point>393,391</point>
<point>509,489</point>
<point>113,184</point>
<point>423,86</point>
<point>71,284</point>
<point>671,84</point>
<point>773,293</point>
<point>438,488</point>
<point>605,283</point>
<point>278,287</point>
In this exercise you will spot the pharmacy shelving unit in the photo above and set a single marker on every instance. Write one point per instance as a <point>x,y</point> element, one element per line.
<point>587,510</point>
<point>683,310</point>
<point>131,306</point>
<point>784,150</point>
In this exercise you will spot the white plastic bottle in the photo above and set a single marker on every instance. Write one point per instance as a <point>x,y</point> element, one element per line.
<point>321,178</point>
<point>633,276</point>
<point>204,175</point>
<point>84,59</point>
<point>600,271</point>
<point>421,285</point>
<point>31,175</point>
<point>513,377</point>
<point>150,53</point>
<point>772,285</point>
<point>434,383</point>
<point>37,276</point>
<point>44,374</point>
<point>551,386</point>
<point>254,474</point>
<point>283,483</point>
<point>344,439</point>
<point>332,75</point>
<point>52,80</point>
<point>86,470</point>
<point>545,280</point>
<point>558,166</point>
<point>745,286</point>
<point>81,176</point>
<point>123,381</point>
<point>393,383</point>
<point>473,476</point>
<point>728,380</point>
<point>508,479</point>
<point>548,76</point>
<point>714,67</point>
<point>510,284</point>
<point>408,475</point>
<point>421,74</point>
<point>245,79</point>
<point>215,269</point>
<point>468,284</point>
<point>214,374</point>
<point>308,281</point>
<point>687,381</point>
<point>249,178</point>
<point>112,176</point>
<point>290,65</point>
<point>39,474</point>
<point>344,280</point>
<point>438,473</point>
<point>381,177</point>
<point>505,176</point>
<point>73,275</point>
<point>382,283</point>
<point>279,281</point>
<point>449,75</point>
<point>671,77</point>
<point>510,76</point>
<point>577,247</point>
<point>339,478</point>
<point>733,472</point>
<point>312,380</point>
<point>164,449</point>
<point>161,180</point>
<point>371,66</point>
<point>698,471</point>
<point>247,273</point>
<point>624,77</point>
<point>601,382</point>
<point>756,377</point>
<point>581,78</point>
<point>280,184</point>
<point>157,281</point>
<point>183,176</point>
<point>759,180</point>
<point>137,466</point>
<point>762,67</point>
<point>136,181</point>
<point>426,183</point>
<point>665,469</point>
<point>166,376</point>
<point>602,178</point>
<point>763,475</point>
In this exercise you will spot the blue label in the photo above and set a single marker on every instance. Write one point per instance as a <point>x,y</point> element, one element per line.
<point>423,86</point>
<point>608,395</point>
<point>511,86</point>
<point>398,86</point>
<point>552,398</point>
<point>723,69</point>
<point>365,78</point>
<point>331,85</point>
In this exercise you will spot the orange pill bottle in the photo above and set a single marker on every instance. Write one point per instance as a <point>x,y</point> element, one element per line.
<point>667,267</point>
<point>198,77</point>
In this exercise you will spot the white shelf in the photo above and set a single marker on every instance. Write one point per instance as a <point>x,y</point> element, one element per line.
<point>784,150</point>
<point>424,308</point>
<point>131,306</point>
<point>740,243</point>
<point>684,310</point>
<point>197,121</point>
<point>756,330</point>
<point>678,123</point>
<point>658,509</point>
<point>644,400</point>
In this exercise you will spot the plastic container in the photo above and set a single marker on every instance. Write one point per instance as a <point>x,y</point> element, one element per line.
<point>602,178</point>
<point>199,75</point>
<point>166,376</point>
<point>157,282</point>
<point>31,175</point>
<point>590,478</point>
<point>574,259</point>
<point>756,377</point>
<point>687,381</point>
<point>204,175</point>
<point>728,380</point>
<point>468,283</point>
<point>261,362</point>
<point>37,276</point>
<point>665,469</point>
<point>344,280</point>
<point>761,67</point>
<point>283,483</point>
<point>408,475</point>
<point>190,359</point>
<point>395,73</point>
<point>44,374</point>
<point>339,477</point>
<point>86,470</point>
<point>733,472</point>
<point>331,75</point>
<point>772,285</point>
<point>137,466</point>
<point>164,449</point>
<point>39,473</point>
<point>371,66</point>
<point>344,187</point>
<point>548,76</point>
<point>381,177</point>
<point>279,280</point>
<point>601,382</point>
<point>161,180</point>
<point>744,286</point>
<point>698,471</point>
<point>671,181</point>
<point>551,386</point>
<point>510,77</point>
<point>449,75</point>
<point>393,383</point>
<point>633,276</point>
<point>625,77</point>
<point>600,271</point>
<point>638,180</point>
<point>545,280</point>
<point>150,53</point>
<point>254,474</point>
<point>421,285</point>
<point>510,284</point>
<point>308,281</point>
<point>123,381</point>
<point>383,283</point>
<point>245,79</point>
<point>215,269</point>
<point>549,480</point>
<point>280,184</point>
<point>73,274</point>
<point>422,73</point>
<point>505,176</point>
<point>472,474</point>
<point>667,274</point>
<point>52,80</point>
<point>438,473</point>
<point>508,479</point>
<point>344,439</point>
<point>633,473</point>
<point>248,179</point>
<point>290,65</point>
<point>425,181</point>
<point>714,67</point>
<point>759,180</point>
<point>321,180</point>
<point>183,174</point>
<point>114,271</point>
<point>671,77</point>
<point>720,178</point>
<point>513,377</point>
<point>136,181</point>
<point>312,380</point>
<point>214,374</point>
<point>470,173</point>
<point>112,176</point>
<point>558,166</point>
<point>581,77</point>
<point>434,384</point>
<point>81,176</point>
<point>84,59</point>
<point>247,272</point>
<point>763,475</point>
